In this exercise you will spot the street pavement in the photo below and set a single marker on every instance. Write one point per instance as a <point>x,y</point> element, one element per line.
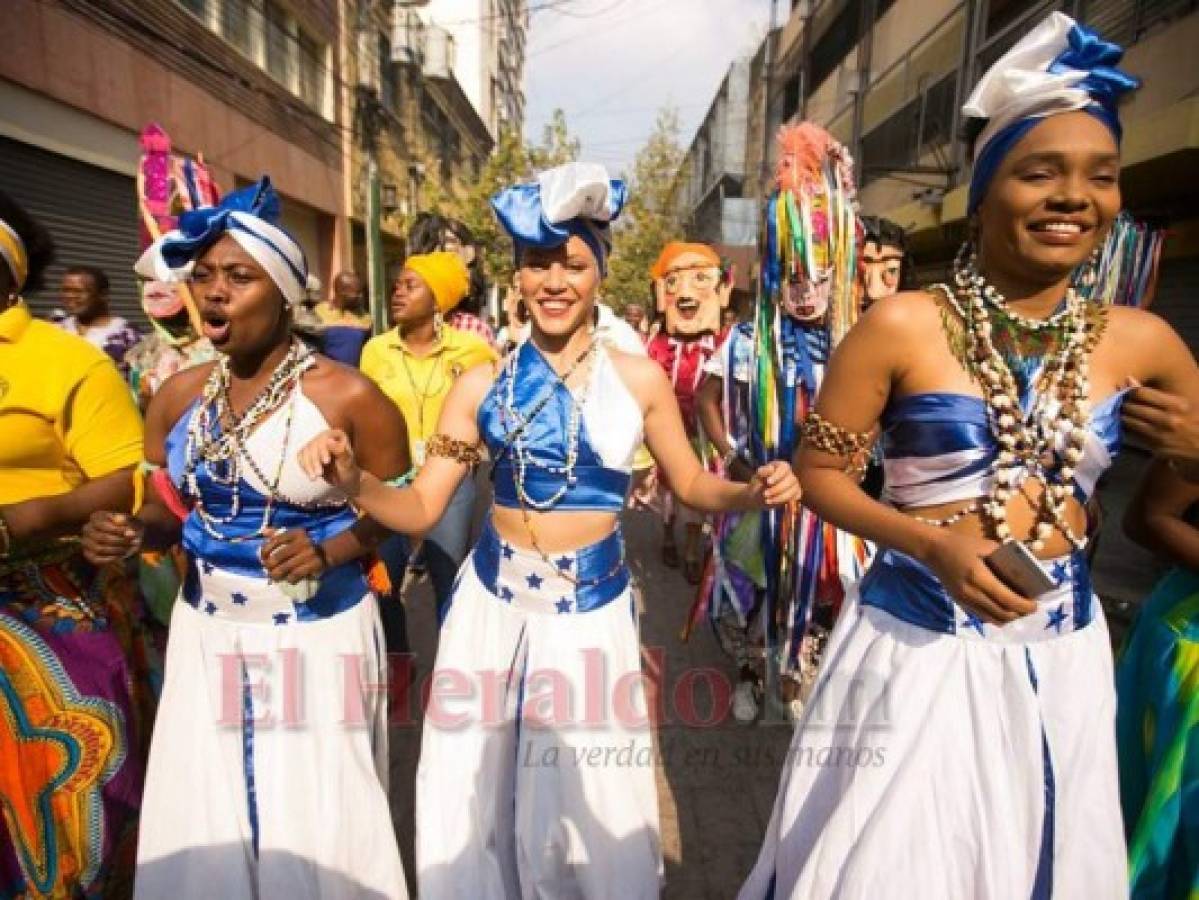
<point>716,782</point>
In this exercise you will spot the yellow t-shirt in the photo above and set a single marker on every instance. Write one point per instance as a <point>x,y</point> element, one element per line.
<point>328,314</point>
<point>418,384</point>
<point>66,415</point>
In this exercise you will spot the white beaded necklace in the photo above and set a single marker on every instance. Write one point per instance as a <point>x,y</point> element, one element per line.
<point>216,439</point>
<point>510,412</point>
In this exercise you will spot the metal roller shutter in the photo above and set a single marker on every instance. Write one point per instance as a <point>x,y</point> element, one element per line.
<point>91,212</point>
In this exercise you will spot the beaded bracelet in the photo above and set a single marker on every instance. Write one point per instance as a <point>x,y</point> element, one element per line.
<point>451,448</point>
<point>821,434</point>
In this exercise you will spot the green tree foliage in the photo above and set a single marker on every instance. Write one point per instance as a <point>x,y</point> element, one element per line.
<point>651,218</point>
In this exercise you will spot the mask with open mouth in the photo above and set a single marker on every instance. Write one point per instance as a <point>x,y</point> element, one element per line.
<point>690,289</point>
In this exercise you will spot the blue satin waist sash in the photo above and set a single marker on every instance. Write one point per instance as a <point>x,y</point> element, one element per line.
<point>908,590</point>
<point>595,487</point>
<point>597,574</point>
<point>236,595</point>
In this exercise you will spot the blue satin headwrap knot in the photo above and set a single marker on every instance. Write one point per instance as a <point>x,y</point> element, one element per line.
<point>575,199</point>
<point>1090,53</point>
<point>1060,66</point>
<point>251,217</point>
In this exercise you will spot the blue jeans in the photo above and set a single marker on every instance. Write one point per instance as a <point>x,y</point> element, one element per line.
<point>444,549</point>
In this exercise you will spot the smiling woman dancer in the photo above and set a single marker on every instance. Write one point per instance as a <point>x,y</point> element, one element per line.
<point>267,774</point>
<point>960,741</point>
<point>520,791</point>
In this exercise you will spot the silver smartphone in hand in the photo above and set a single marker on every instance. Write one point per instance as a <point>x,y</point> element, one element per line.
<point>1017,567</point>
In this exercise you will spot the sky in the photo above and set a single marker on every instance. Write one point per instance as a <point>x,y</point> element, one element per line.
<point>611,65</point>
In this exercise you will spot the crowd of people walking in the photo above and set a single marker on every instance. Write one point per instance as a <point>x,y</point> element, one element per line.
<point>887,500</point>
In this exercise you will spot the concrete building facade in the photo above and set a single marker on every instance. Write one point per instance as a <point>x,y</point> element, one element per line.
<point>887,77</point>
<point>489,39</point>
<point>251,84</point>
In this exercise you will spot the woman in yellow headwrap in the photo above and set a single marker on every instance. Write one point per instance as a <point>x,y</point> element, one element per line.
<point>416,364</point>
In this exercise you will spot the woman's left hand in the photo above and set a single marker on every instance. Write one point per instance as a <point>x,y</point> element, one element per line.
<point>1167,423</point>
<point>292,556</point>
<point>774,484</point>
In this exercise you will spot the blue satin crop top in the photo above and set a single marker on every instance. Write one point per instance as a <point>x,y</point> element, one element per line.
<point>938,448</point>
<point>609,429</point>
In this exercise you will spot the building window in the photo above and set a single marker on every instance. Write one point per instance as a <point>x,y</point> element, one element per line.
<point>312,71</point>
<point>838,41</point>
<point>280,44</point>
<point>902,140</point>
<point>265,33</point>
<point>237,26</point>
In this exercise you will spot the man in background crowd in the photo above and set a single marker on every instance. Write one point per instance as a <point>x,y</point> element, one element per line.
<point>85,312</point>
<point>634,314</point>
<point>344,320</point>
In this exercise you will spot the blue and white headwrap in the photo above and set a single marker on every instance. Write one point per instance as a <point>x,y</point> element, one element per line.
<point>574,199</point>
<point>1059,66</point>
<point>250,216</point>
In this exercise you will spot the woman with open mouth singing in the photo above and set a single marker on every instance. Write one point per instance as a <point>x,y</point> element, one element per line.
<point>268,764</point>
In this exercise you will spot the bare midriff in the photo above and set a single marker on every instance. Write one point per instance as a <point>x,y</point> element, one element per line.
<point>1021,517</point>
<point>552,531</point>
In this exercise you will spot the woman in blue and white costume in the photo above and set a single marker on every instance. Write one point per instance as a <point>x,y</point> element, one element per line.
<point>960,740</point>
<point>536,776</point>
<point>268,763</point>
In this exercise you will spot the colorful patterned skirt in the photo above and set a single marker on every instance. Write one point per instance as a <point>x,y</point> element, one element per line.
<point>1157,684</point>
<point>72,728</point>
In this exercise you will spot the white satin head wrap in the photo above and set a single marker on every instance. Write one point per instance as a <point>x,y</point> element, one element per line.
<point>1020,84</point>
<point>576,198</point>
<point>247,216</point>
<point>1058,67</point>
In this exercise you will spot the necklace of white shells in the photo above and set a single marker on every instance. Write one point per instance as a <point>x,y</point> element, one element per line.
<point>216,439</point>
<point>1046,443</point>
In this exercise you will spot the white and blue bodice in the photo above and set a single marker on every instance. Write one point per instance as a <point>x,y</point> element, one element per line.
<point>938,448</point>
<point>576,446</point>
<point>225,573</point>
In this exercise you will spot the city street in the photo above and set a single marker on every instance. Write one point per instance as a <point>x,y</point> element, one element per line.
<point>715,784</point>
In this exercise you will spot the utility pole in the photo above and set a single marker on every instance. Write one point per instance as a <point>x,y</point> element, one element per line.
<point>768,72</point>
<point>369,114</point>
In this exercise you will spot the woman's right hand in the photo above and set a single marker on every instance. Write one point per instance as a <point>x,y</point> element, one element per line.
<point>108,537</point>
<point>959,562</point>
<point>330,456</point>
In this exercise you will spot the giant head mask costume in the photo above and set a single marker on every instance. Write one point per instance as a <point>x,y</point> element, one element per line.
<point>813,231</point>
<point>690,289</point>
<point>884,249</point>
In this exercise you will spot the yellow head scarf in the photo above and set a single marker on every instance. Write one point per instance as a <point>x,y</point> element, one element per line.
<point>12,251</point>
<point>444,273</point>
